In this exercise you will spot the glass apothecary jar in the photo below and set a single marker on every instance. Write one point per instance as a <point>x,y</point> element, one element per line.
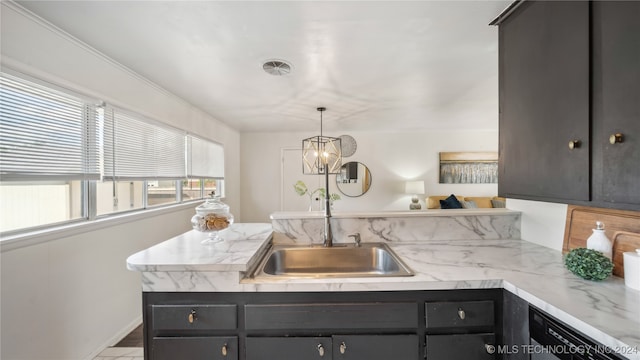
<point>212,217</point>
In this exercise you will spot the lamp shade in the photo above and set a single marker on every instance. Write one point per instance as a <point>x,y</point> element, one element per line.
<point>414,187</point>
<point>320,154</point>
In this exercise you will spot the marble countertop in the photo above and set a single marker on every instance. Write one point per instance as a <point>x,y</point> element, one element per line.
<point>242,246</point>
<point>607,311</point>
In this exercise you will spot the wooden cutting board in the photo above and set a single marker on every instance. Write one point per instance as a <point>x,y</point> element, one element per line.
<point>622,227</point>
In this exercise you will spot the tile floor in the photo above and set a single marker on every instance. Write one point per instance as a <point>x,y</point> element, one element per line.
<point>121,353</point>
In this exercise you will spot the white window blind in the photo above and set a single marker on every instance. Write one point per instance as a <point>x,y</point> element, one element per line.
<point>136,148</point>
<point>45,134</point>
<point>205,159</point>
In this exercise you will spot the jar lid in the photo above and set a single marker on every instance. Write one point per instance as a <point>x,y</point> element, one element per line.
<point>213,204</point>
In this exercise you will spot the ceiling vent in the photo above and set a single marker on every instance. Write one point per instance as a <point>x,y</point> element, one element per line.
<point>276,67</point>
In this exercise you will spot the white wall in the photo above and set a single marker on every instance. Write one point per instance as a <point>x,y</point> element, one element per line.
<point>392,158</point>
<point>542,222</point>
<point>69,297</point>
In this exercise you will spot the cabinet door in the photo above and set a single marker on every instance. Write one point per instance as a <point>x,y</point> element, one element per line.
<point>616,101</point>
<point>544,102</point>
<point>194,317</point>
<point>194,348</point>
<point>288,348</point>
<point>462,347</point>
<point>331,316</point>
<point>459,315</point>
<point>515,326</point>
<point>376,347</point>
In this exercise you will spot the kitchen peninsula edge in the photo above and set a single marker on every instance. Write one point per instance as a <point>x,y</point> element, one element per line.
<point>606,311</point>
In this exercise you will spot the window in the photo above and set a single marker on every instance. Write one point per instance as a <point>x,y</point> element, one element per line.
<point>118,196</point>
<point>136,150</point>
<point>195,189</point>
<point>205,167</point>
<point>63,158</point>
<point>30,204</point>
<point>48,147</point>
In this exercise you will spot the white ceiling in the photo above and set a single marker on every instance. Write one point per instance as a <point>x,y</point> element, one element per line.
<point>381,65</point>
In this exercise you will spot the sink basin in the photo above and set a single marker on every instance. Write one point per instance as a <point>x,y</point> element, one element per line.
<point>367,260</point>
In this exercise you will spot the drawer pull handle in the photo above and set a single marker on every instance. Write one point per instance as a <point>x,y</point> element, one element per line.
<point>320,350</point>
<point>224,350</point>
<point>616,138</point>
<point>343,348</point>
<point>461,314</point>
<point>574,144</point>
<point>192,316</point>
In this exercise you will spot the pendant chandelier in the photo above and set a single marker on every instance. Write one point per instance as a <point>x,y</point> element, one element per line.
<point>321,154</point>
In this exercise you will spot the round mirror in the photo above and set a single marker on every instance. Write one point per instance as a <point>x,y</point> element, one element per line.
<point>354,179</point>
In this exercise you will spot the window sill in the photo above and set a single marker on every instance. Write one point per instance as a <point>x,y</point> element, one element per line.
<point>41,236</point>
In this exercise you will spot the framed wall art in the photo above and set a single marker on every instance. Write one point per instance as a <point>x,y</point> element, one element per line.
<point>468,167</point>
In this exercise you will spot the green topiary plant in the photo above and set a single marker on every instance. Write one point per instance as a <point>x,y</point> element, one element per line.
<point>588,264</point>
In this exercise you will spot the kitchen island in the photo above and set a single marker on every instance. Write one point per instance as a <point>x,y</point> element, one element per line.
<point>606,311</point>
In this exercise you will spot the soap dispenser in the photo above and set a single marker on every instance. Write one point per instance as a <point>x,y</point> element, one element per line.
<point>598,240</point>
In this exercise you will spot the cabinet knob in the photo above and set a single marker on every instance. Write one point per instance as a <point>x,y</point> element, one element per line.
<point>490,348</point>
<point>461,314</point>
<point>192,316</point>
<point>224,350</point>
<point>343,348</point>
<point>574,144</point>
<point>320,350</point>
<point>616,138</point>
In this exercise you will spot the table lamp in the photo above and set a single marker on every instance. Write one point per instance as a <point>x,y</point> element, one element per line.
<point>415,188</point>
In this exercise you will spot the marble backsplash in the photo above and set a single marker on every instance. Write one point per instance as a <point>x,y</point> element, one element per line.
<point>395,227</point>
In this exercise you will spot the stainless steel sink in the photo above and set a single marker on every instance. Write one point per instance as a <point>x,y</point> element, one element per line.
<point>367,260</point>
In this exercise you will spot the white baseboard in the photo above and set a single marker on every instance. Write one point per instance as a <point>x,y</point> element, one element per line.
<point>117,337</point>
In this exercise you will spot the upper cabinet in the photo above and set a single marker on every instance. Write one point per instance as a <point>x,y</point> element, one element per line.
<point>570,81</point>
<point>616,102</point>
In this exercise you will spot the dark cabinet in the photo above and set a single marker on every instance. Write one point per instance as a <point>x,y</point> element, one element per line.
<point>194,317</point>
<point>368,325</point>
<point>515,328</point>
<point>460,330</point>
<point>616,102</point>
<point>346,323</point>
<point>194,348</point>
<point>344,347</point>
<point>329,316</point>
<point>288,348</point>
<point>459,314</point>
<point>461,346</point>
<point>544,101</point>
<point>375,347</point>
<point>569,92</point>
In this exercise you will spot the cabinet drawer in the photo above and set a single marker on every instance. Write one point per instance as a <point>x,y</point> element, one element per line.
<point>461,346</point>
<point>331,316</point>
<point>374,347</point>
<point>454,314</point>
<point>194,348</point>
<point>198,317</point>
<point>271,348</point>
